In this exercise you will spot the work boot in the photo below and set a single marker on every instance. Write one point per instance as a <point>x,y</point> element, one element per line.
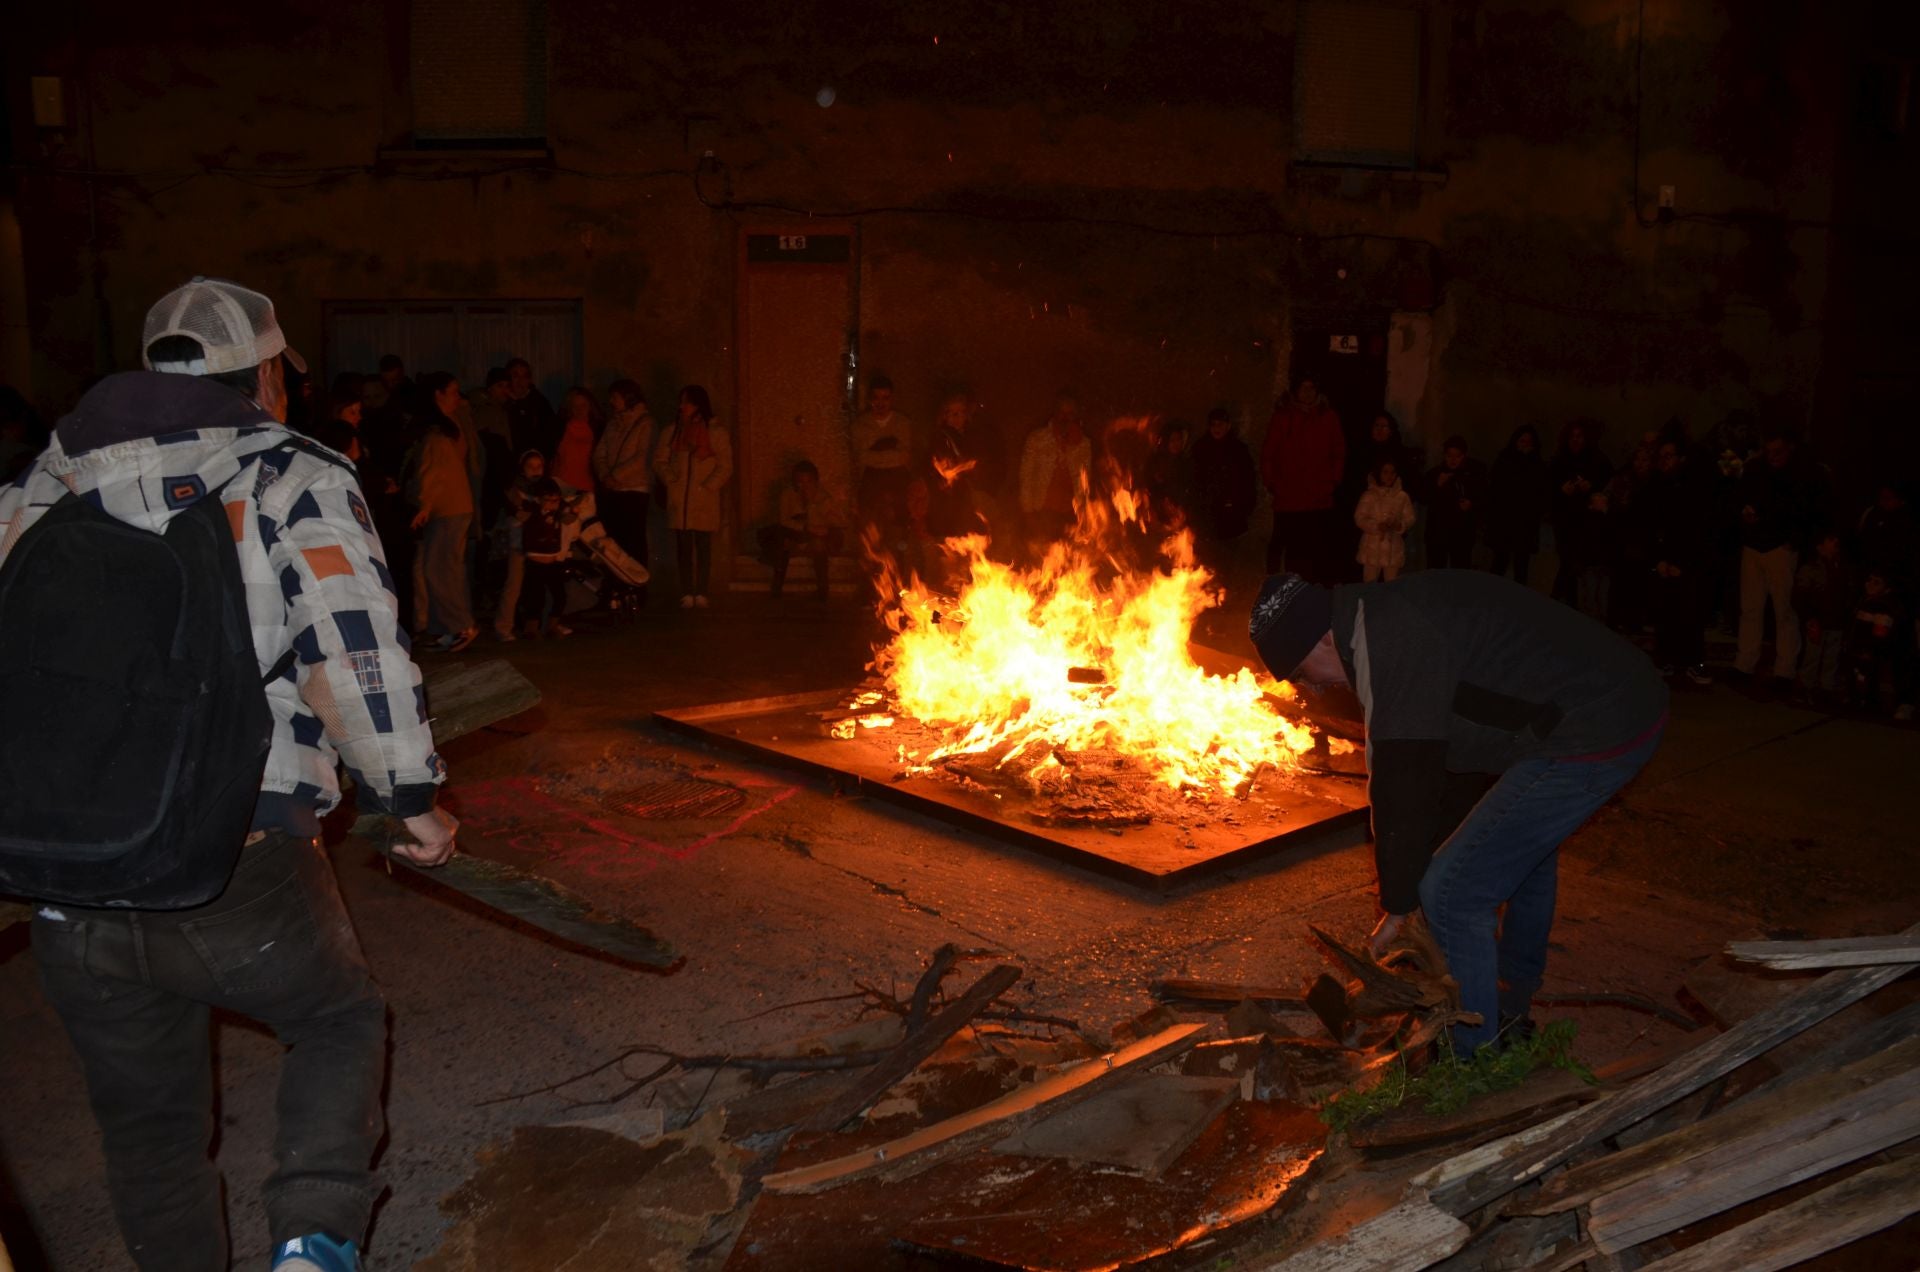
<point>1515,1031</point>
<point>316,1253</point>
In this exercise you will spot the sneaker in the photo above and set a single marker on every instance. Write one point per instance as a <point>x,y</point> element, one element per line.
<point>1699,675</point>
<point>558,629</point>
<point>504,635</point>
<point>686,602</point>
<point>317,1253</point>
<point>457,643</point>
<point>700,602</point>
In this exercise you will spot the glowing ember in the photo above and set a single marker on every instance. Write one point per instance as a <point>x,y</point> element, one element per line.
<point>1033,669</point>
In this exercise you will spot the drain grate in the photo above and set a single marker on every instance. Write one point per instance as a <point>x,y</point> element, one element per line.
<point>673,801</point>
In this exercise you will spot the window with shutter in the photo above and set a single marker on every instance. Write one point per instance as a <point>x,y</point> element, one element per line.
<point>479,72</point>
<point>1356,96</point>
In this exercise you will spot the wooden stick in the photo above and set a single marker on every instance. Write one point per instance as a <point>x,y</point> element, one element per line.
<point>1852,951</point>
<point>1751,1037</point>
<point>1872,1084</point>
<point>914,1048</point>
<point>923,992</point>
<point>943,1141</point>
<point>1857,1206</point>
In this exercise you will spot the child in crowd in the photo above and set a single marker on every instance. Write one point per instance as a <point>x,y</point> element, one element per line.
<point>1880,647</point>
<point>812,523</point>
<point>1456,491</point>
<point>1824,590</point>
<point>547,531</point>
<point>1384,515</point>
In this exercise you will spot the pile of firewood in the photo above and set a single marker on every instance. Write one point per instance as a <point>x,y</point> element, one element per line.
<point>1606,1184</point>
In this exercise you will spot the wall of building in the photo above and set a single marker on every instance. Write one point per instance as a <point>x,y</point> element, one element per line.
<point>1094,195</point>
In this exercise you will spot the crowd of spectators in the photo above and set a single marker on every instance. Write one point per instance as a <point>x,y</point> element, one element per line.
<point>1681,537</point>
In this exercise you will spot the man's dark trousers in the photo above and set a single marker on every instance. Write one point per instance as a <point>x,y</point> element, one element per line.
<point>135,990</point>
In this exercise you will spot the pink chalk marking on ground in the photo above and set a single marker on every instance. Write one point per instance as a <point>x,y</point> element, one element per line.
<point>517,811</point>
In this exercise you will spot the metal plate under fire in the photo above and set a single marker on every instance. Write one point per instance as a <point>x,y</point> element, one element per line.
<point>1282,812</point>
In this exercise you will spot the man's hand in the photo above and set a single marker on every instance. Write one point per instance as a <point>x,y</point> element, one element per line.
<point>419,519</point>
<point>433,834</point>
<point>1384,933</point>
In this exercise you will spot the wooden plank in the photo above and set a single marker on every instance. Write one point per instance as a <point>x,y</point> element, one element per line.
<point>1541,1091</point>
<point>465,697</point>
<point>914,1048</point>
<point>1225,994</point>
<point>1856,1207</point>
<point>1873,1083</point>
<point>1852,951</point>
<point>943,1141</point>
<point>1413,1234</point>
<point>1888,1031</point>
<point>1748,1168</point>
<point>1140,1123</point>
<point>1751,1037</point>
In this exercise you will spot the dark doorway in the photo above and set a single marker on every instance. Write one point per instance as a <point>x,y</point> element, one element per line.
<point>1346,358</point>
<point>1345,355</point>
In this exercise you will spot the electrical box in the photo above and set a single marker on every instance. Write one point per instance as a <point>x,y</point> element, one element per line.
<point>49,102</point>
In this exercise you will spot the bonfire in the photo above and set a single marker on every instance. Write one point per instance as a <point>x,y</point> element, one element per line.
<point>1075,677</point>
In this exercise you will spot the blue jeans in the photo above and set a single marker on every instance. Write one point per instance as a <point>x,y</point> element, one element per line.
<point>1507,852</point>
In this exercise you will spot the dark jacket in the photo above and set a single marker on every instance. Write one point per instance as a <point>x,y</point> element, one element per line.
<point>1570,508</point>
<point>954,495</point>
<point>1455,505</point>
<point>534,425</point>
<point>1784,504</point>
<point>1516,498</point>
<point>1225,485</point>
<point>1680,517</point>
<point>1824,592</point>
<point>1467,672</point>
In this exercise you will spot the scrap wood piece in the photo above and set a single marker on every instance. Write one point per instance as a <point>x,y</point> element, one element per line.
<point>1541,1092</point>
<point>465,697</point>
<point>929,984</point>
<point>1712,1059</point>
<point>1413,1234</point>
<point>1384,993</point>
<point>945,1140</point>
<point>1763,1127</point>
<point>1852,951</point>
<point>1225,994</point>
<point>1858,1206</point>
<point>1746,1169</point>
<point>1140,1123</point>
<point>913,1049</point>
<point>1856,1044</point>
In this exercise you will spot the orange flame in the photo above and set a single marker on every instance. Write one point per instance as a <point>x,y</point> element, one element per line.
<point>1078,654</point>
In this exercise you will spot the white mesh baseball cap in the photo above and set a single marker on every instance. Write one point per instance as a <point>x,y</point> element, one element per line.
<point>235,328</point>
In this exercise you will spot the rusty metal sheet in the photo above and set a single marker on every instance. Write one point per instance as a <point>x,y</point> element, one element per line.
<point>1282,813</point>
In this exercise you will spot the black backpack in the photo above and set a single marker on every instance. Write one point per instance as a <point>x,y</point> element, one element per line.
<point>137,719</point>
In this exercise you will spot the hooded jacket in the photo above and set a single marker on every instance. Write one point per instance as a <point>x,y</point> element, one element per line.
<point>143,447</point>
<point>1466,672</point>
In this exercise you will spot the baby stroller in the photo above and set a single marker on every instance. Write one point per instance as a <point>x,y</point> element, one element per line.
<point>600,567</point>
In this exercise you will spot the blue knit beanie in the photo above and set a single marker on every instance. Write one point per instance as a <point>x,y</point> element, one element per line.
<point>1288,621</point>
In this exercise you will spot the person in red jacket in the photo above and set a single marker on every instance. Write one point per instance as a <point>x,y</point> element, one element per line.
<point>1302,463</point>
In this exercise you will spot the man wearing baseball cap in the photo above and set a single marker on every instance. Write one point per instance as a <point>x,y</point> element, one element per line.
<point>1458,671</point>
<point>135,987</point>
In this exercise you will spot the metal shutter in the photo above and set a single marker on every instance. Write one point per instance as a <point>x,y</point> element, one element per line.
<point>479,70</point>
<point>1356,90</point>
